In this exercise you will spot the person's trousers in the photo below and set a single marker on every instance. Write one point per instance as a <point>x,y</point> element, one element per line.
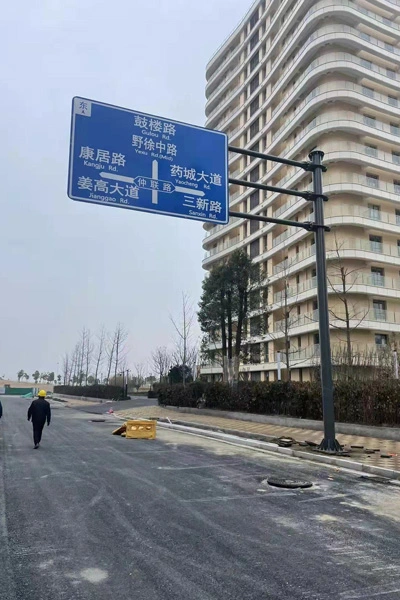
<point>37,433</point>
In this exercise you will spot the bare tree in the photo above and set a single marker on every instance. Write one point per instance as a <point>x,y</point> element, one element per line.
<point>99,352</point>
<point>342,279</point>
<point>88,353</point>
<point>139,373</point>
<point>161,361</point>
<point>110,351</point>
<point>74,365</point>
<point>119,339</point>
<point>291,355</point>
<point>184,346</point>
<point>66,369</point>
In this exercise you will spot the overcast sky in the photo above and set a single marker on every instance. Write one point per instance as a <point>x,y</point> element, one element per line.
<point>65,264</point>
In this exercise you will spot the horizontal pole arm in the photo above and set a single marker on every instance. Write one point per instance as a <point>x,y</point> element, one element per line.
<point>309,196</point>
<point>308,225</point>
<point>307,166</point>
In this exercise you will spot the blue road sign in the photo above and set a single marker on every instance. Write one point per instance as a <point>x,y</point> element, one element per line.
<point>125,158</point>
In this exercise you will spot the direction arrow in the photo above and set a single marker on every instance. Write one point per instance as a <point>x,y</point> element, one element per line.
<point>134,180</point>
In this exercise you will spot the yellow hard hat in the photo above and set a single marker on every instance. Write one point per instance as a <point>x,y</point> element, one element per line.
<point>42,394</point>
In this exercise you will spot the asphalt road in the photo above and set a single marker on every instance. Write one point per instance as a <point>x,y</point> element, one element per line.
<point>90,516</point>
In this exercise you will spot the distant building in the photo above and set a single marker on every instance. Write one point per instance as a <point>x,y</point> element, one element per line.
<point>293,76</point>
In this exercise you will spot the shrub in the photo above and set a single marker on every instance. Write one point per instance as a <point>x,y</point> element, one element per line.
<point>108,392</point>
<point>364,402</point>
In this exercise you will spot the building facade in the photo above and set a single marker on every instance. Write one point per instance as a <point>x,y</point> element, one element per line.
<point>297,75</point>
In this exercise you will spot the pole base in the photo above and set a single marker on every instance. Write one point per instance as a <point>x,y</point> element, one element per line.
<point>329,445</point>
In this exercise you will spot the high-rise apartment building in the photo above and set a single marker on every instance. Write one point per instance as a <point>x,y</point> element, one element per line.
<point>293,76</point>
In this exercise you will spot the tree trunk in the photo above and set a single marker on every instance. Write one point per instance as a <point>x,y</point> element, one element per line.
<point>238,342</point>
<point>223,339</point>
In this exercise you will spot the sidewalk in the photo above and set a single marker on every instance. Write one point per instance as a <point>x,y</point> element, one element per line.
<point>270,432</point>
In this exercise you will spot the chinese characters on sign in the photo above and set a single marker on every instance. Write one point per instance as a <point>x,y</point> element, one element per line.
<point>142,162</point>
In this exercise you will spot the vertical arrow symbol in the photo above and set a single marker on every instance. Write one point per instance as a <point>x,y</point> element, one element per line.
<point>154,176</point>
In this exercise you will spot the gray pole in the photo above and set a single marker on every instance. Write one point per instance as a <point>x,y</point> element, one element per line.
<point>329,443</point>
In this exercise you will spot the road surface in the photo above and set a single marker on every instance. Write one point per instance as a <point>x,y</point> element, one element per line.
<point>90,516</point>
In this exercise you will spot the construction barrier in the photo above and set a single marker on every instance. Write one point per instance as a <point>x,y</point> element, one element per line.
<point>138,429</point>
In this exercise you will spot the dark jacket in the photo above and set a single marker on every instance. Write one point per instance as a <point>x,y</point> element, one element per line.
<point>39,411</point>
<point>1,410</point>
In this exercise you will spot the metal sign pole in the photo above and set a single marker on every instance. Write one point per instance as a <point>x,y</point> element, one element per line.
<point>329,443</point>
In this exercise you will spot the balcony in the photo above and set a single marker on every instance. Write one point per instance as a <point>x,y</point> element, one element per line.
<point>295,321</point>
<point>324,61</point>
<point>294,260</point>
<point>345,120</point>
<point>220,248</point>
<point>334,87</point>
<point>295,290</point>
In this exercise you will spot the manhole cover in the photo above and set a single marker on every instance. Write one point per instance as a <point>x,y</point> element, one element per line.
<point>288,483</point>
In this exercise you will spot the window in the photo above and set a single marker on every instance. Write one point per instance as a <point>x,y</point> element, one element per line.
<point>366,63</point>
<point>396,184</point>
<point>255,174</point>
<point>375,243</point>
<point>390,73</point>
<point>254,19</point>
<point>394,129</point>
<point>389,47</point>
<point>255,248</point>
<point>254,40</point>
<point>396,157</point>
<point>266,352</point>
<point>398,247</point>
<point>381,339</point>
<point>367,91</point>
<point>254,128</point>
<point>365,36</point>
<point>254,61</point>
<point>299,341</point>
<point>255,326</point>
<point>316,338</point>
<point>255,375</point>
<point>255,147</point>
<point>371,150</point>
<point>393,101</point>
<point>254,83</point>
<point>378,276</point>
<point>379,307</point>
<point>254,226</point>
<point>254,199</point>
<point>372,180</point>
<point>254,106</point>
<point>370,121</point>
<point>374,212</point>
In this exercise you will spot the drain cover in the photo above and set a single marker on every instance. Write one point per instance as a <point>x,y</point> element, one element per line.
<point>288,483</point>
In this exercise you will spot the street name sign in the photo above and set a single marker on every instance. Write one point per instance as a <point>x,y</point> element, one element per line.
<point>125,158</point>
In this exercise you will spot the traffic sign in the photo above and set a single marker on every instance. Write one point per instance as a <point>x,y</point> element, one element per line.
<point>125,158</point>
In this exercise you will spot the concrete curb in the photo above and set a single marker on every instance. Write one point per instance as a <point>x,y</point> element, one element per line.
<point>270,447</point>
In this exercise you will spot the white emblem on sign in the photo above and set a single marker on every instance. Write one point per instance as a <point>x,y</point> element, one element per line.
<point>82,107</point>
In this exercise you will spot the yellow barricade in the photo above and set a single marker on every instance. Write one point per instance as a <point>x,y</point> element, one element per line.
<point>141,429</point>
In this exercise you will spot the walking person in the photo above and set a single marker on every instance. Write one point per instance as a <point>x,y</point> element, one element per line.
<point>39,411</point>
